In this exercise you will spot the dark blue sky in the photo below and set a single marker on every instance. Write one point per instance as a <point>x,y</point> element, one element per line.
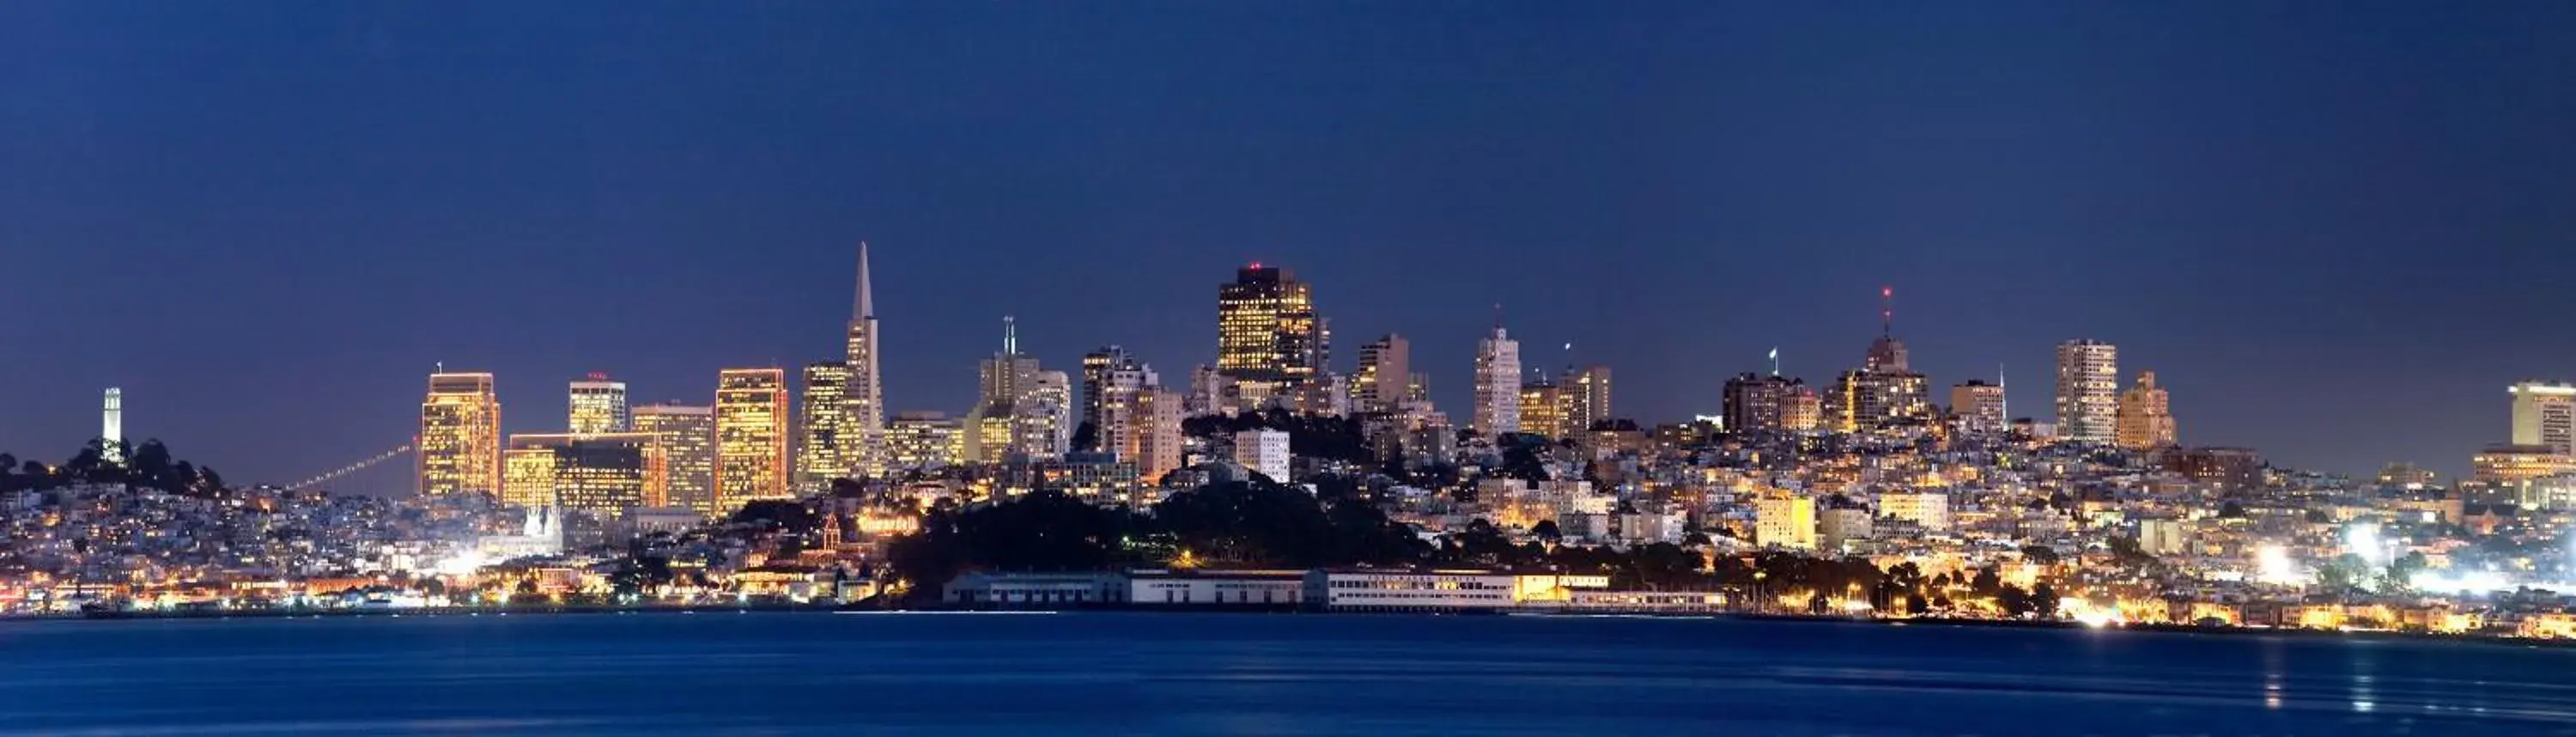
<point>2336,230</point>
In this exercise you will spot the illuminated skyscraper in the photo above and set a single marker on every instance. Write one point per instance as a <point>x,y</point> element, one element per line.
<point>111,430</point>
<point>598,405</point>
<point>1111,380</point>
<point>1866,399</point>
<point>1587,397</point>
<point>2544,415</point>
<point>1979,406</point>
<point>2088,390</point>
<point>1156,437</point>
<point>459,449</point>
<point>1267,330</point>
<point>601,473</point>
<point>1542,410</point>
<point>2145,418</point>
<point>822,452</point>
<point>1385,375</point>
<point>686,434</point>
<point>1498,385</point>
<point>1101,369</point>
<point>528,477</point>
<point>751,437</point>
<point>1044,425</point>
<point>862,427</point>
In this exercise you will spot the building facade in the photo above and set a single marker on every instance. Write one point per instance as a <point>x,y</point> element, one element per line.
<point>2544,414</point>
<point>459,449</point>
<point>823,443</point>
<point>1587,397</point>
<point>2145,418</point>
<point>1267,329</point>
<point>2088,391</point>
<point>686,435</point>
<point>603,474</point>
<point>596,405</point>
<point>925,440</point>
<point>1979,407</point>
<point>1498,385</point>
<point>751,437</point>
<point>1385,376</point>
<point>1264,451</point>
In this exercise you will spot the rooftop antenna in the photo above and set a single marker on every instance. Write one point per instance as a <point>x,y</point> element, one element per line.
<point>1010,336</point>
<point>1775,360</point>
<point>1498,318</point>
<point>438,367</point>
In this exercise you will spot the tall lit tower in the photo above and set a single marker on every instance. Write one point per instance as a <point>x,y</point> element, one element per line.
<point>1886,354</point>
<point>2543,414</point>
<point>2088,390</point>
<point>598,405</point>
<point>827,443</point>
<point>111,430</point>
<point>751,437</point>
<point>1498,384</point>
<point>687,436</point>
<point>863,422</point>
<point>1385,376</point>
<point>1266,327</point>
<point>459,449</point>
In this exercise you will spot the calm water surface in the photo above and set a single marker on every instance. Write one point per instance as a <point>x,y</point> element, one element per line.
<point>1102,674</point>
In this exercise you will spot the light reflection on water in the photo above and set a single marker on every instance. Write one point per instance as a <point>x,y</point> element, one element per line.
<point>1082,674</point>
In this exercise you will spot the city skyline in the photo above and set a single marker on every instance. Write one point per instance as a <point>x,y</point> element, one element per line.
<point>1669,220</point>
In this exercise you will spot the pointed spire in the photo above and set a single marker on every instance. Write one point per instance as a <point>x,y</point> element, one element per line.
<point>865,306</point>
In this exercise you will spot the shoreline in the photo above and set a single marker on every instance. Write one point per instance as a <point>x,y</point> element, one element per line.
<point>561,610</point>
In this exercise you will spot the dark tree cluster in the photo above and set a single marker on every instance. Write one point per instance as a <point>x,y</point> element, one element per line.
<point>147,465</point>
<point>1309,436</point>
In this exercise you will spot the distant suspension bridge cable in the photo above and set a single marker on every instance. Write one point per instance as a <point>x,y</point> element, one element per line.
<point>351,468</point>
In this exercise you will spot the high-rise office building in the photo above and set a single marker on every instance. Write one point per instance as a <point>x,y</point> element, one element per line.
<point>1044,425</point>
<point>604,474</point>
<point>2545,415</point>
<point>686,435</point>
<point>2145,419</point>
<point>1754,403</point>
<point>1498,385</point>
<point>1979,406</point>
<point>528,477</point>
<point>1543,408</point>
<point>111,427</point>
<point>1865,399</point>
<point>925,440</point>
<point>1385,376</point>
<point>824,442</point>
<point>1587,397</point>
<point>2088,391</point>
<point>1267,330</point>
<point>459,449</point>
<point>1008,374</point>
<point>861,433</point>
<point>597,405</point>
<point>1157,436</point>
<point>1111,381</point>
<point>751,437</point>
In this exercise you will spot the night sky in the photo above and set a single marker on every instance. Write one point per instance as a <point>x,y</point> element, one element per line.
<point>2335,230</point>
